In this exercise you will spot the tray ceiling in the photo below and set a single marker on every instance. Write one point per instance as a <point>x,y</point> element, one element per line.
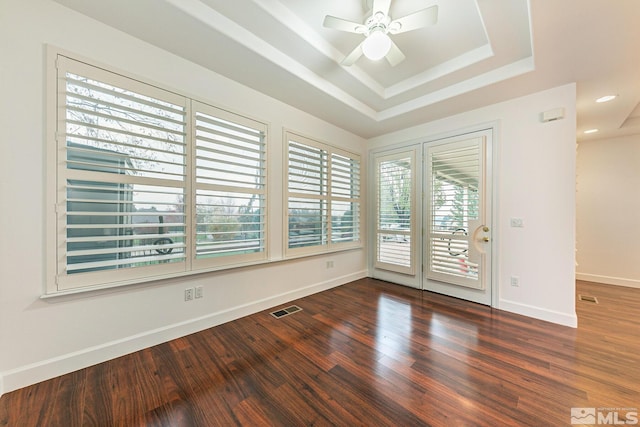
<point>479,52</point>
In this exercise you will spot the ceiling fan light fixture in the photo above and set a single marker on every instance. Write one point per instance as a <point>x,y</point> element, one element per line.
<point>376,45</point>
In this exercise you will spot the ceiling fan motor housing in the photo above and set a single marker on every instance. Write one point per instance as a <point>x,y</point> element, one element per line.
<point>377,22</point>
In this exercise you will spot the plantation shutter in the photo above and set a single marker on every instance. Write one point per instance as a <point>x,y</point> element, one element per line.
<point>394,208</point>
<point>345,198</point>
<point>454,181</point>
<point>308,201</point>
<point>230,187</point>
<point>121,211</point>
<point>323,197</point>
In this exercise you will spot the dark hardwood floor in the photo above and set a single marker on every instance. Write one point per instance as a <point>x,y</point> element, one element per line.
<point>367,353</point>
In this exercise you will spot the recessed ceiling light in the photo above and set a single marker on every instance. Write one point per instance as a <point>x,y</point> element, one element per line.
<point>606,98</point>
<point>591,131</point>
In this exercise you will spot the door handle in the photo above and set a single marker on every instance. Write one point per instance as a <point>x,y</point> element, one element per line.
<point>475,239</point>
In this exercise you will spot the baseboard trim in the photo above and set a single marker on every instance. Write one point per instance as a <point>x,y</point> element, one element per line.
<point>552,316</point>
<point>40,371</point>
<point>608,280</point>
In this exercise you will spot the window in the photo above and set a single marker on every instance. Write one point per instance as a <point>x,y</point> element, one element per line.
<point>323,197</point>
<point>230,187</point>
<point>135,165</point>
<point>394,207</point>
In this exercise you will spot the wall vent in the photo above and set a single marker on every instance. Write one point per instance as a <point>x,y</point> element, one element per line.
<point>588,298</point>
<point>285,311</point>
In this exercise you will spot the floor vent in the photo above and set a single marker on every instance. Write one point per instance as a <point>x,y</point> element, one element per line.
<point>285,311</point>
<point>588,298</point>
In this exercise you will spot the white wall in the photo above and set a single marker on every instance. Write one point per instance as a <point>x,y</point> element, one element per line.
<point>535,176</point>
<point>40,339</point>
<point>608,203</point>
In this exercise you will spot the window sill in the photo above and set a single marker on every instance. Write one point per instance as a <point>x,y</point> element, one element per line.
<point>51,295</point>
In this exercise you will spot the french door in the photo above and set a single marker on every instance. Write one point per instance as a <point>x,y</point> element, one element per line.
<point>396,242</point>
<point>432,227</point>
<point>457,217</point>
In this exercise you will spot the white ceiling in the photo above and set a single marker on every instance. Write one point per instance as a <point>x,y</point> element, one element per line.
<point>479,52</point>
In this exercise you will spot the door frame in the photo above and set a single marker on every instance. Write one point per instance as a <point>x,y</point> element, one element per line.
<point>416,281</point>
<point>490,185</point>
<point>412,280</point>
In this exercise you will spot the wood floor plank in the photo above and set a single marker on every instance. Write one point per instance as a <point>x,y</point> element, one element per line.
<point>28,409</point>
<point>98,406</point>
<point>366,353</point>
<point>68,406</point>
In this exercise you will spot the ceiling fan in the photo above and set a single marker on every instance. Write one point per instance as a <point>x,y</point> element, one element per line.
<point>376,29</point>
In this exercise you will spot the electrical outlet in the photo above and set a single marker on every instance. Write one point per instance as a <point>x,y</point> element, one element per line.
<point>329,264</point>
<point>188,294</point>
<point>199,292</point>
<point>515,281</point>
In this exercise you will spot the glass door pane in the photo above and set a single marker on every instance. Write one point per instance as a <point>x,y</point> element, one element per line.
<point>395,207</point>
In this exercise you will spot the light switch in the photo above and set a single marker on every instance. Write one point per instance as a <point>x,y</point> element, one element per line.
<point>517,222</point>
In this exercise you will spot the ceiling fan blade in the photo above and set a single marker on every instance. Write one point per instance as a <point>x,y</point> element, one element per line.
<point>395,55</point>
<point>381,6</point>
<point>419,19</point>
<point>343,25</point>
<point>353,56</point>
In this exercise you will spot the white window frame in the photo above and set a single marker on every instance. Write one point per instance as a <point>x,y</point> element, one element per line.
<point>222,148</point>
<point>329,197</point>
<point>58,281</point>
